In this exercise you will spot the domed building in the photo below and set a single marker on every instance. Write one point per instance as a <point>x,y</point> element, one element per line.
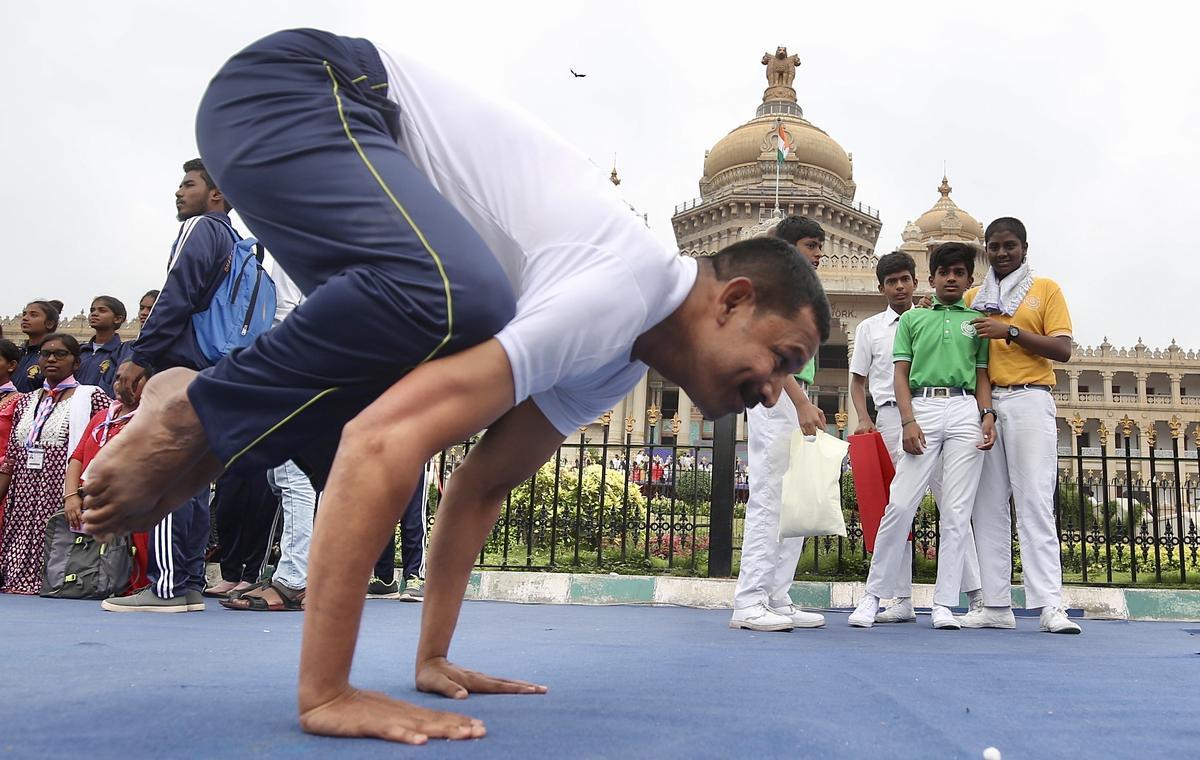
<point>744,185</point>
<point>745,189</point>
<point>944,223</point>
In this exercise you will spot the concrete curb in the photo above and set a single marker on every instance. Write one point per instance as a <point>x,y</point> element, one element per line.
<point>717,593</point>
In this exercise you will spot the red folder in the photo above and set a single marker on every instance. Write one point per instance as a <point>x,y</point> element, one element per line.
<point>873,473</point>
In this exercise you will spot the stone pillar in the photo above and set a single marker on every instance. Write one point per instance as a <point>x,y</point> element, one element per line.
<point>639,411</point>
<point>1107,377</point>
<point>1073,376</point>
<point>1141,387</point>
<point>616,428</point>
<point>685,414</point>
<point>1176,394</point>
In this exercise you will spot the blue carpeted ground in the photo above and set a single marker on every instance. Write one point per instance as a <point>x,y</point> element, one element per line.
<point>625,682</point>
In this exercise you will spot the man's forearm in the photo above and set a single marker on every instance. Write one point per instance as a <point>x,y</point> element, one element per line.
<point>357,513</point>
<point>464,521</point>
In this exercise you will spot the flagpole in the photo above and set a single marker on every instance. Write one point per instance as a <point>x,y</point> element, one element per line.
<point>780,148</point>
<point>776,188</point>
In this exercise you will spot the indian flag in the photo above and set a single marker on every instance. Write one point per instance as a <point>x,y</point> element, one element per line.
<point>782,143</point>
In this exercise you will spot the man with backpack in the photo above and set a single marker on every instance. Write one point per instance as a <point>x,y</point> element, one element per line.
<point>178,333</point>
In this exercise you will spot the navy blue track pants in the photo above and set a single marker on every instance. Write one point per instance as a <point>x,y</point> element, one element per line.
<point>297,132</point>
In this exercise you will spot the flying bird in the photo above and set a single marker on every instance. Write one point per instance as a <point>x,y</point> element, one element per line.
<point>581,76</point>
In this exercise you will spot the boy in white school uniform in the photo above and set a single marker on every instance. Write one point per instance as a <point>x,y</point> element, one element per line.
<point>871,366</point>
<point>760,600</point>
<point>944,398</point>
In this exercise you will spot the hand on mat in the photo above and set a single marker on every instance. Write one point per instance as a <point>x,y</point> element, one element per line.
<point>989,433</point>
<point>914,438</point>
<point>440,676</point>
<point>373,714</point>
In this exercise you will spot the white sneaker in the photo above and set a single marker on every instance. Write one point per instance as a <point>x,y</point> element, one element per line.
<point>864,614</point>
<point>800,618</point>
<point>760,618</point>
<point>901,611</point>
<point>1055,620</point>
<point>943,619</point>
<point>989,617</point>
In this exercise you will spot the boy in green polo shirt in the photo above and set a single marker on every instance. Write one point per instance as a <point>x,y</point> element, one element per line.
<point>944,398</point>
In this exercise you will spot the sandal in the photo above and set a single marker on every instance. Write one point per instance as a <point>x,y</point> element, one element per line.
<point>257,599</point>
<point>237,592</point>
<point>219,590</point>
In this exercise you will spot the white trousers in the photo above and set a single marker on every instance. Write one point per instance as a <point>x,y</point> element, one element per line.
<point>1021,464</point>
<point>952,433</point>
<point>768,564</point>
<point>887,421</point>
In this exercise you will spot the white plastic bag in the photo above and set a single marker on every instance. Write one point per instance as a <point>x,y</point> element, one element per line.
<point>812,493</point>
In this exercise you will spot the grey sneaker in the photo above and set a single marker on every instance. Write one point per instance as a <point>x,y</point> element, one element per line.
<point>146,601</point>
<point>380,589</point>
<point>195,601</point>
<point>414,590</point>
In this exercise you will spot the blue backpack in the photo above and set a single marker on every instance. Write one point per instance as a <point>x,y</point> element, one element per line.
<point>242,305</point>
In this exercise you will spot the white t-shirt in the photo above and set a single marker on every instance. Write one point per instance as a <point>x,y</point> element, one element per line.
<point>589,276</point>
<point>287,293</point>
<point>872,357</point>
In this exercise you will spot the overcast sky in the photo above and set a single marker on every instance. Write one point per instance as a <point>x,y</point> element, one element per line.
<point>1079,119</point>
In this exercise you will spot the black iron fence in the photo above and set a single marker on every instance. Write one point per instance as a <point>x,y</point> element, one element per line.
<point>1124,516</point>
<point>599,505</point>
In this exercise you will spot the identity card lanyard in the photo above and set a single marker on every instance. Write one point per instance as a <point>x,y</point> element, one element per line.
<point>35,455</point>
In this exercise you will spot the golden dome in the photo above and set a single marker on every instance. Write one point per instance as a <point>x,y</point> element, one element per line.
<point>751,143</point>
<point>946,218</point>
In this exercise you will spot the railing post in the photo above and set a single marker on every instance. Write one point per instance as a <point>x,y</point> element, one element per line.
<point>720,531</point>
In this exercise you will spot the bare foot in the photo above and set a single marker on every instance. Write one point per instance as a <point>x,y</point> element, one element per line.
<point>440,676</point>
<point>374,714</point>
<point>131,484</point>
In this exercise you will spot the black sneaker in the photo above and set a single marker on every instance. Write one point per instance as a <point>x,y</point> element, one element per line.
<point>379,589</point>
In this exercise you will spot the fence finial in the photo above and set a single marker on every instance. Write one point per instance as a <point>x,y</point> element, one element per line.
<point>1176,427</point>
